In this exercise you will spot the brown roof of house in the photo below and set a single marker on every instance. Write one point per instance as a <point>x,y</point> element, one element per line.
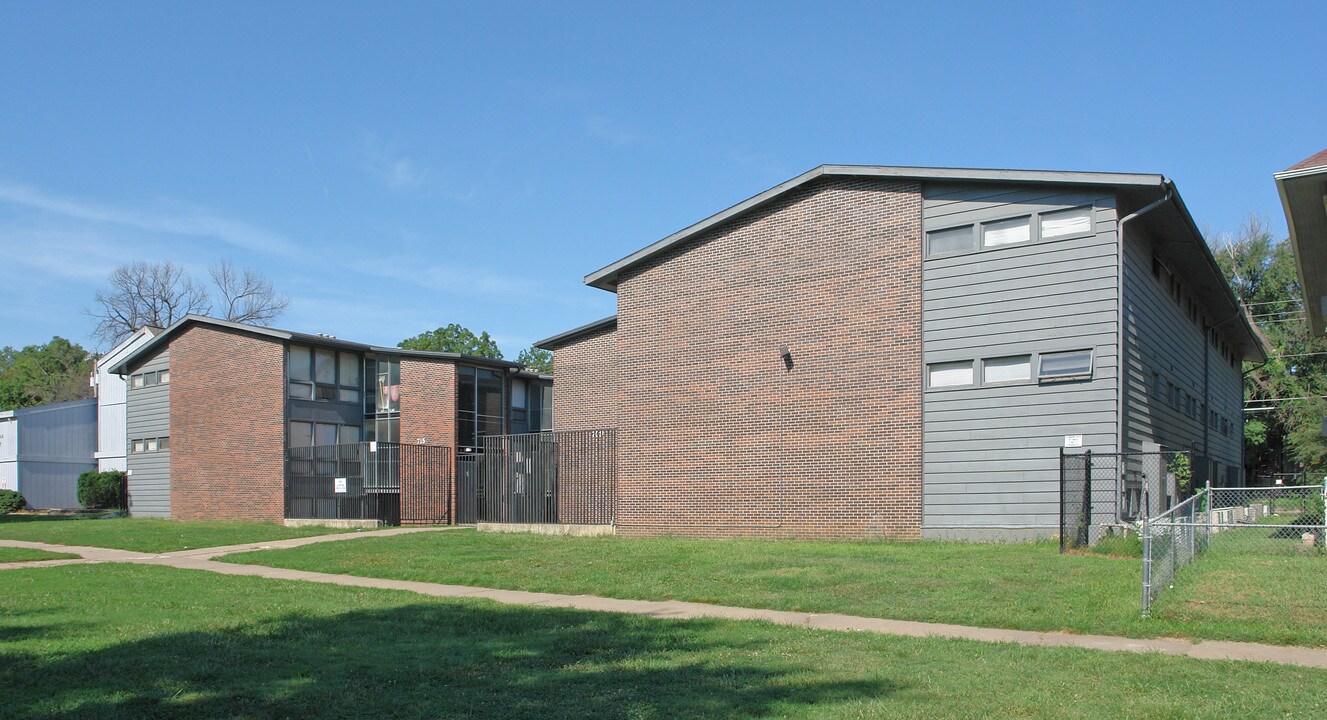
<point>1312,161</point>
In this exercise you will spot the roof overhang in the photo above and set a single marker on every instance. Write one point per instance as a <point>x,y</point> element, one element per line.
<point>557,341</point>
<point>1303,190</point>
<point>163,337</point>
<point>1190,253</point>
<point>606,278</point>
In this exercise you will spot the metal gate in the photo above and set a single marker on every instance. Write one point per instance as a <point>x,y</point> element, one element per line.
<point>364,481</point>
<point>1100,491</point>
<point>567,477</point>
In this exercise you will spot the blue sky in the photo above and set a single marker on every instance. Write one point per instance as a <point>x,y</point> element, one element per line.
<point>396,167</point>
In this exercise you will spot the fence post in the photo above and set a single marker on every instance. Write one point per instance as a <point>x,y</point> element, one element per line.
<point>1084,537</point>
<point>1147,550</point>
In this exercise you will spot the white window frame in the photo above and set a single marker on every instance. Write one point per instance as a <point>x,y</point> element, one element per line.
<point>972,374</point>
<point>1041,361</point>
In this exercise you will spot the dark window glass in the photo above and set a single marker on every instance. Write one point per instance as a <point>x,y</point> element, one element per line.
<point>490,393</point>
<point>324,434</point>
<point>465,431</point>
<point>349,370</point>
<point>465,389</point>
<point>301,434</point>
<point>324,366</point>
<point>299,367</point>
<point>349,434</point>
<point>348,395</point>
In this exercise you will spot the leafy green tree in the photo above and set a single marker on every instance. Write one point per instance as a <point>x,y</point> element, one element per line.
<point>1290,385</point>
<point>455,339</point>
<point>537,359</point>
<point>42,374</point>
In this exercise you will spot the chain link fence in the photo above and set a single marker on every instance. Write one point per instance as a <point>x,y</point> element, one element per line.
<point>1105,494</point>
<point>1239,552</point>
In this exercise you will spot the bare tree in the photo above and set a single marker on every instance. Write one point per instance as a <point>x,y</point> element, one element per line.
<point>246,296</point>
<point>159,294</point>
<point>143,293</point>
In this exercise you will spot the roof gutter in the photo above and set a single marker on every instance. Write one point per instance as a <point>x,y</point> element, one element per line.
<point>1121,362</point>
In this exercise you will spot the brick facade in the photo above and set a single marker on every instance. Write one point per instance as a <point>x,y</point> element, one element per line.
<point>428,413</point>
<point>718,436</point>
<point>586,389</point>
<point>227,421</point>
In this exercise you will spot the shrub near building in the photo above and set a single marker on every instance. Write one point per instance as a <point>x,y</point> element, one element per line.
<point>102,490</point>
<point>10,501</point>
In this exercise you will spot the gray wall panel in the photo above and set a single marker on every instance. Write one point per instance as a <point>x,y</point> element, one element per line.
<point>148,416</point>
<point>1161,337</point>
<point>991,454</point>
<point>56,443</point>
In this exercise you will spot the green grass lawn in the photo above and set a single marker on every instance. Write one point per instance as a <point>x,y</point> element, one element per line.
<point>143,534</point>
<point>13,555</point>
<point>163,642</point>
<point>1022,586</point>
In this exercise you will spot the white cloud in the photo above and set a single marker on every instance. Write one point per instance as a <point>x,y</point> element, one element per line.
<point>388,165</point>
<point>174,219</point>
<point>604,128</point>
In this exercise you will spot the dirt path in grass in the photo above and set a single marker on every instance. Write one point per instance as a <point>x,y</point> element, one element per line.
<point>204,559</point>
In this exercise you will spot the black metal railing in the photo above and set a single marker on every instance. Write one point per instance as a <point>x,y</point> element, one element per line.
<point>389,482</point>
<point>565,477</point>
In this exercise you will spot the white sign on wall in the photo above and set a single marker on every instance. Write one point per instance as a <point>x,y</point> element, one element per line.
<point>1072,441</point>
<point>339,484</point>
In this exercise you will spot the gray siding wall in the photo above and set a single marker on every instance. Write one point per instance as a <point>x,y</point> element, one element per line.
<point>1162,338</point>
<point>148,416</point>
<point>991,454</point>
<point>56,443</point>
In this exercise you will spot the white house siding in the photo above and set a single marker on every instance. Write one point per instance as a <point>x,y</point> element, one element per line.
<point>112,438</point>
<point>991,454</point>
<point>8,451</point>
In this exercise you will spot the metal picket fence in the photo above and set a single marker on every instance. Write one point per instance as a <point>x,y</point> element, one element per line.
<point>564,477</point>
<point>1261,548</point>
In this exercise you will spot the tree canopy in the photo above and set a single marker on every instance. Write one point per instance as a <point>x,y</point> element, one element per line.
<point>158,294</point>
<point>456,339</point>
<point>1285,394</point>
<point>43,374</point>
<point>537,359</point>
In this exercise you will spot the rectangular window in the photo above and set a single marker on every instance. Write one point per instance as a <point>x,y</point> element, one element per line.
<point>163,377</point>
<point>300,390</point>
<point>324,366</point>
<point>949,374</point>
<point>136,381</point>
<point>139,446</point>
<point>349,434</point>
<point>1006,232</point>
<point>1066,365</point>
<point>324,434</point>
<point>948,242</point>
<point>1066,223</point>
<point>300,364</point>
<point>1158,391</point>
<point>1006,369</point>
<point>163,443</point>
<point>301,434</point>
<point>151,444</point>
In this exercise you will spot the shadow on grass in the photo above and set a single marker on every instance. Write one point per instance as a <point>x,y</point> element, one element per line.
<point>428,661</point>
<point>13,518</point>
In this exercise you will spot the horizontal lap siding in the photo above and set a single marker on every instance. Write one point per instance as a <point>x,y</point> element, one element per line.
<point>991,454</point>
<point>148,416</point>
<point>1161,337</point>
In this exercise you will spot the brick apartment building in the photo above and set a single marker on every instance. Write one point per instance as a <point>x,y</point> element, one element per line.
<point>902,352</point>
<point>212,407</point>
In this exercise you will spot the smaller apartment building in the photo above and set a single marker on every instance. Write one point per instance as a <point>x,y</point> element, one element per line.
<point>213,405</point>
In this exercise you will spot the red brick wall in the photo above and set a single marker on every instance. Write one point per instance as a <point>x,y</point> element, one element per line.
<point>428,411</point>
<point>227,417</point>
<point>586,390</point>
<point>716,436</point>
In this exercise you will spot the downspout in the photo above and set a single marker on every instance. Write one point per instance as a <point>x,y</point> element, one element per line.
<point>1121,360</point>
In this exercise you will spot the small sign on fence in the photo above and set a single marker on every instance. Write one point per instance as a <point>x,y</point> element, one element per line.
<point>339,485</point>
<point>1073,441</point>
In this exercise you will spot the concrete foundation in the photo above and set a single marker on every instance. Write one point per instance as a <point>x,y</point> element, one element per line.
<point>547,529</point>
<point>343,524</point>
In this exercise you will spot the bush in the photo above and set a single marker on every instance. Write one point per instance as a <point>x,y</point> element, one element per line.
<point>11,500</point>
<point>102,490</point>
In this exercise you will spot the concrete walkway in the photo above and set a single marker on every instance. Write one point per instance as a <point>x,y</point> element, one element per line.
<point>204,559</point>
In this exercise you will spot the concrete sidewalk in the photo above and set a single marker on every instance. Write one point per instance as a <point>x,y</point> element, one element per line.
<point>203,559</point>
